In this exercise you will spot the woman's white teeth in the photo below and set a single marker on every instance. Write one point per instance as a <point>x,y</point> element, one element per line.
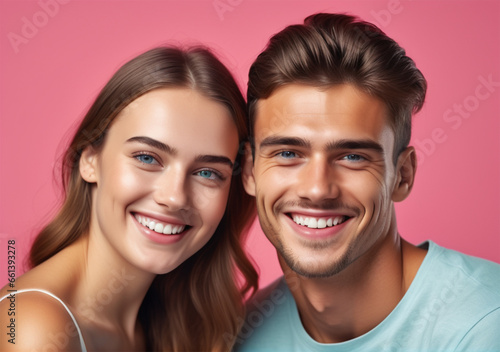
<point>166,229</point>
<point>158,228</point>
<point>318,223</point>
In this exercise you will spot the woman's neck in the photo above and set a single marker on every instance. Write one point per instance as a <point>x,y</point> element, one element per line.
<point>110,291</point>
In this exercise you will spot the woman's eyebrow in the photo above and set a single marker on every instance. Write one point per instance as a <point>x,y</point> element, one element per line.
<point>215,159</point>
<point>153,143</point>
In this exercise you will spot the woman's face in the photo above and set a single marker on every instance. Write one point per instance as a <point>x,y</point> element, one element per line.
<point>161,178</point>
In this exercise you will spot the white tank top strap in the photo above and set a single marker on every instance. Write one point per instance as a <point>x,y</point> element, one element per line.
<point>82,343</point>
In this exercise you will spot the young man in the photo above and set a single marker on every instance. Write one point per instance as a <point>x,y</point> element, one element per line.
<point>330,106</point>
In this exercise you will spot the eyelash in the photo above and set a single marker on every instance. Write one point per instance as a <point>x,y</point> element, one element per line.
<point>360,158</point>
<point>347,157</point>
<point>280,154</point>
<point>217,174</point>
<point>138,156</point>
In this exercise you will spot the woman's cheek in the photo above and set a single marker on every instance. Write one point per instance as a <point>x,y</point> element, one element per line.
<point>212,204</point>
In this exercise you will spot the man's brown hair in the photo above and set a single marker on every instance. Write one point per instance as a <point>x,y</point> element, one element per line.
<point>331,49</point>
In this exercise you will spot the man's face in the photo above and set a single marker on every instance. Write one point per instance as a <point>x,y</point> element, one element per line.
<point>323,175</point>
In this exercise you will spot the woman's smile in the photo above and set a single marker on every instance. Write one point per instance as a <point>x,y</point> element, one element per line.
<point>158,226</point>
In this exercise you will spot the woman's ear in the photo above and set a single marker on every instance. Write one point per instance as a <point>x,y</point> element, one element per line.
<point>405,174</point>
<point>88,164</point>
<point>248,178</point>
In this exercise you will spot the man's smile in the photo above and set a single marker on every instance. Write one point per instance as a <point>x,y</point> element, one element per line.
<point>317,222</point>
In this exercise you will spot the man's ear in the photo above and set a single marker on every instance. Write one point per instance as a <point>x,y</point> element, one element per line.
<point>88,164</point>
<point>248,178</point>
<point>406,168</point>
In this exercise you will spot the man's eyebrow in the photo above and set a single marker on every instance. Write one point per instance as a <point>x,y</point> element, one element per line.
<point>215,159</point>
<point>355,144</point>
<point>277,140</point>
<point>153,143</point>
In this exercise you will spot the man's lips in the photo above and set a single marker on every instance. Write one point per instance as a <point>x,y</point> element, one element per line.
<point>161,227</point>
<point>318,226</point>
<point>317,222</point>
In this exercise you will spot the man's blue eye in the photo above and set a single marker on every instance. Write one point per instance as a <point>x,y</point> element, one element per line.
<point>354,157</point>
<point>146,159</point>
<point>287,154</point>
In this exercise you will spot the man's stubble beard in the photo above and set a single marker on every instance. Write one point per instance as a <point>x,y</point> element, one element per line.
<point>295,264</point>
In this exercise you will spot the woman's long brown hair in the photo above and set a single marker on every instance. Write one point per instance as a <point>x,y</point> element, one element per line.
<point>197,306</point>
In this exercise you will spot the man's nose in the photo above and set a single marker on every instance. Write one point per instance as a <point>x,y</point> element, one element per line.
<point>317,180</point>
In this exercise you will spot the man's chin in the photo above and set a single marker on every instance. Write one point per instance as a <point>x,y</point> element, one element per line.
<point>315,267</point>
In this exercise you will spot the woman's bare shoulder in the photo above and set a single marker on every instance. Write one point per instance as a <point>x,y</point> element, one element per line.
<point>58,275</point>
<point>38,320</point>
<point>35,320</point>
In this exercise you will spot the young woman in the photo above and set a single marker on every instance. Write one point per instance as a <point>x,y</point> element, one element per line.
<point>145,252</point>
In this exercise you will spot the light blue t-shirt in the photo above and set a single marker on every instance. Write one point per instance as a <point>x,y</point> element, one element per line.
<point>453,304</point>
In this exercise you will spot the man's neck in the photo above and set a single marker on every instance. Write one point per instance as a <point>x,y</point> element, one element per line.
<point>354,301</point>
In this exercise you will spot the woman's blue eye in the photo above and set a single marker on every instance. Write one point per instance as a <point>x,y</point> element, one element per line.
<point>206,173</point>
<point>146,159</point>
<point>211,175</point>
<point>287,154</point>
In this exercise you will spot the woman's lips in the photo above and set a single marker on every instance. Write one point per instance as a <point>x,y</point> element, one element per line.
<point>160,227</point>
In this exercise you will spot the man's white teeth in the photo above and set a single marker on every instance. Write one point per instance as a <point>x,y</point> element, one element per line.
<point>321,223</point>
<point>318,223</point>
<point>313,223</point>
<point>166,229</point>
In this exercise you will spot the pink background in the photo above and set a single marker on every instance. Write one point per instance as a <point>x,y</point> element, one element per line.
<point>69,51</point>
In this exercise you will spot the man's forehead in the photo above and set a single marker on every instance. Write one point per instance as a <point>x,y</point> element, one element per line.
<point>296,97</point>
<point>336,105</point>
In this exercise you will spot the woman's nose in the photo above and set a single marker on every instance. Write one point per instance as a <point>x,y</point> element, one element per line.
<point>171,188</point>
